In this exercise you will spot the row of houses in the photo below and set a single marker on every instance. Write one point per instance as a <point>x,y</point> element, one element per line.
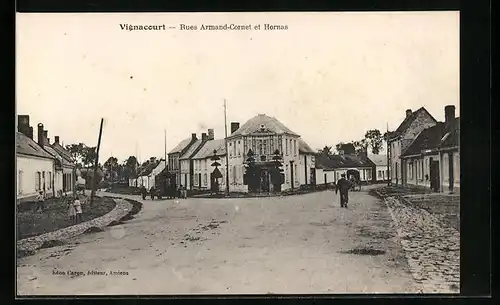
<point>190,162</point>
<point>41,165</point>
<point>425,152</point>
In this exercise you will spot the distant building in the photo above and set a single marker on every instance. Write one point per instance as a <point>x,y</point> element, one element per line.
<point>433,158</point>
<point>402,137</point>
<point>174,158</point>
<point>381,172</point>
<point>330,168</point>
<point>263,136</point>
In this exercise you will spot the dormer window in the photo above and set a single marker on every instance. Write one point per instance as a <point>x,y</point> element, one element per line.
<point>262,126</point>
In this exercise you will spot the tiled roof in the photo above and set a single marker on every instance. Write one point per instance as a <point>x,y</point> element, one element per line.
<point>63,152</point>
<point>452,136</point>
<point>379,160</point>
<point>435,137</point>
<point>407,122</point>
<point>269,124</point>
<point>304,147</point>
<point>149,168</point>
<point>190,150</point>
<point>207,150</point>
<point>180,147</point>
<point>342,161</point>
<point>27,146</point>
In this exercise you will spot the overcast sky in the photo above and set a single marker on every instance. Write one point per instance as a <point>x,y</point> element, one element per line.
<point>329,77</point>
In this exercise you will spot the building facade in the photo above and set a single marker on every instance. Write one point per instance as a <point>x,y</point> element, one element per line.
<point>402,137</point>
<point>381,173</point>
<point>174,158</point>
<point>330,168</point>
<point>433,159</point>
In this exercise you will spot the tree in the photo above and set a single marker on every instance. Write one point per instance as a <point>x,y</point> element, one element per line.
<point>327,150</point>
<point>130,167</point>
<point>112,167</point>
<point>77,151</point>
<point>375,140</point>
<point>89,154</point>
<point>338,147</point>
<point>360,146</point>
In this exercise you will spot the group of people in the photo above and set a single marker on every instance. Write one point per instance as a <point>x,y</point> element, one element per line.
<point>74,204</point>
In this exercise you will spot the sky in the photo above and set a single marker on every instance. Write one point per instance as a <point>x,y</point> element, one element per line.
<point>329,77</point>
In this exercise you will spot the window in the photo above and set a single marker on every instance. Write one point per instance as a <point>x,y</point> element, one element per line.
<point>205,164</point>
<point>234,149</point>
<point>294,147</point>
<point>50,181</point>
<point>234,174</point>
<point>38,181</point>
<point>261,152</point>
<point>286,173</point>
<point>230,150</point>
<point>265,147</point>
<point>295,172</point>
<point>239,149</point>
<point>205,179</point>
<point>280,144</point>
<point>368,174</point>
<point>20,182</point>
<point>379,174</point>
<point>286,146</point>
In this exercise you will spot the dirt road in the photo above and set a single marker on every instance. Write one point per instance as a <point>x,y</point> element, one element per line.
<point>296,244</point>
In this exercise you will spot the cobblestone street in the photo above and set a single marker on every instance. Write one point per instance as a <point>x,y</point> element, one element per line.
<point>427,225</point>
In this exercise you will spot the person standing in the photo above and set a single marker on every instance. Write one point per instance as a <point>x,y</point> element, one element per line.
<point>40,202</point>
<point>143,192</point>
<point>343,186</point>
<point>71,211</point>
<point>78,209</point>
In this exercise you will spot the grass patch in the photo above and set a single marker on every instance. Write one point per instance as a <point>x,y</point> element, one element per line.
<point>55,216</point>
<point>136,208</point>
<point>365,251</point>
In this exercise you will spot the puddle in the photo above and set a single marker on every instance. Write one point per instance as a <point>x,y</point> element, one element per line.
<point>364,251</point>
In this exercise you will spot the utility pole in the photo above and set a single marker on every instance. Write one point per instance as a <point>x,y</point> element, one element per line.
<point>227,150</point>
<point>388,158</point>
<point>165,149</point>
<point>95,165</point>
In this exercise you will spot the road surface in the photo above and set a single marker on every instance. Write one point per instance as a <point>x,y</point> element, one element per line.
<point>279,245</point>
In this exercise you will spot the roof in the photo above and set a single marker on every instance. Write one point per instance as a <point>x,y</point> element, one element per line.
<point>435,137</point>
<point>26,146</point>
<point>149,168</point>
<point>379,160</point>
<point>207,150</point>
<point>342,161</point>
<point>181,146</point>
<point>407,122</point>
<point>191,150</point>
<point>63,152</point>
<point>304,147</point>
<point>262,124</point>
<point>452,136</point>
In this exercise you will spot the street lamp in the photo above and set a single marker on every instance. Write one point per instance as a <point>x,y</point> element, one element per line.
<point>216,174</point>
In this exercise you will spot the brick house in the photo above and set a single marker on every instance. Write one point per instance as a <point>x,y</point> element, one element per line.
<point>402,137</point>
<point>433,158</point>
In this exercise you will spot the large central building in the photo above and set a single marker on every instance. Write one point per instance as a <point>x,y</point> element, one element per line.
<point>262,139</point>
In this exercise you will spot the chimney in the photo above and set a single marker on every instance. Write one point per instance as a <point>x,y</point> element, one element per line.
<point>193,137</point>
<point>23,124</point>
<point>408,112</point>
<point>234,126</point>
<point>40,134</point>
<point>210,134</point>
<point>30,135</point>
<point>449,114</point>
<point>56,140</point>
<point>204,137</point>
<point>45,137</point>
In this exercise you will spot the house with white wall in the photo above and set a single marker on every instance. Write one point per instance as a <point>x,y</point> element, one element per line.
<point>203,169</point>
<point>433,158</point>
<point>187,163</point>
<point>307,164</point>
<point>155,172</point>
<point>381,173</point>
<point>35,167</point>
<point>331,168</point>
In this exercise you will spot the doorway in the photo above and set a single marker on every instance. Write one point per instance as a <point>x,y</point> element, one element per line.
<point>434,175</point>
<point>264,180</point>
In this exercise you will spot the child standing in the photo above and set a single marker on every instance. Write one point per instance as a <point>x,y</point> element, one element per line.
<point>78,209</point>
<point>71,211</point>
<point>40,201</point>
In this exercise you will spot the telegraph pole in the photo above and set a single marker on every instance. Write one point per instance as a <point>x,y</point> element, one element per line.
<point>95,165</point>
<point>388,158</point>
<point>227,150</point>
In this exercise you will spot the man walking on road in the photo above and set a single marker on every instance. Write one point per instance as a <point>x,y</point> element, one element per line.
<point>343,185</point>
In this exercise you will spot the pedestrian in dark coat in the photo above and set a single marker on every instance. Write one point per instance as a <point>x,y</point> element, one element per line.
<point>144,192</point>
<point>343,185</point>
